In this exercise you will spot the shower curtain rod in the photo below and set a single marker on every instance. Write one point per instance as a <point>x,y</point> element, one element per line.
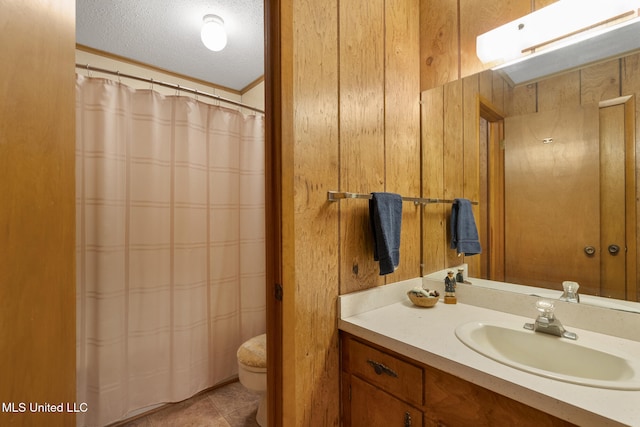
<point>170,86</point>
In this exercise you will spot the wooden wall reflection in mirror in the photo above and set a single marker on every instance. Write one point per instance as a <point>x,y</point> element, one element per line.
<point>559,196</point>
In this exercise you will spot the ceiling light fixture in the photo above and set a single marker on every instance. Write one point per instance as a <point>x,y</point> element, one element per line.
<point>213,34</point>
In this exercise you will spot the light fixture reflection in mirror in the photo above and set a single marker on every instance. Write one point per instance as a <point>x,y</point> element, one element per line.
<point>564,35</point>
<point>559,20</point>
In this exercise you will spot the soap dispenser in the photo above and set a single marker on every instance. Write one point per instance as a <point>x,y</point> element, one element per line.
<point>570,293</point>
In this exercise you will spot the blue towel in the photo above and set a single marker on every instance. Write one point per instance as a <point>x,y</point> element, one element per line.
<point>464,234</point>
<point>385,216</point>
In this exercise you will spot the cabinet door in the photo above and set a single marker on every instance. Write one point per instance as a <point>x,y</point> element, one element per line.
<point>453,402</point>
<point>372,407</point>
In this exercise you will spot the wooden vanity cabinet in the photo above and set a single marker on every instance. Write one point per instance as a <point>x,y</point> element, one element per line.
<point>382,388</point>
<point>379,389</point>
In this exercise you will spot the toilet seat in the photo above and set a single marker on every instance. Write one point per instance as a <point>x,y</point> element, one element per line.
<point>253,354</point>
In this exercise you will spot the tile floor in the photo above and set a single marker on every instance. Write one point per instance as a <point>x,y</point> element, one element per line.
<point>228,406</point>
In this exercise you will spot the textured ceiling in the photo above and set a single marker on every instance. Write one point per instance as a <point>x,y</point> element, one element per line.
<point>166,34</point>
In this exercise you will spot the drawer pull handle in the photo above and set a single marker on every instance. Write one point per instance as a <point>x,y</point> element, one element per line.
<point>382,369</point>
<point>407,419</point>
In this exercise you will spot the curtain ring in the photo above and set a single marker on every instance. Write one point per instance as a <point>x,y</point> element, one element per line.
<point>196,91</point>
<point>118,74</point>
<point>88,71</point>
<point>177,90</point>
<point>151,80</point>
<point>216,97</point>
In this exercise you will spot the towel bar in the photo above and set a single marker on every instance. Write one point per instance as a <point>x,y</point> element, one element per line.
<point>335,196</point>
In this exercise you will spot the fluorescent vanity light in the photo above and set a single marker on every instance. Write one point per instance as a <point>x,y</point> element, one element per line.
<point>213,34</point>
<point>564,35</point>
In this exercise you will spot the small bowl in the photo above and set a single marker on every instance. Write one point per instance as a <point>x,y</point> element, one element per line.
<point>421,301</point>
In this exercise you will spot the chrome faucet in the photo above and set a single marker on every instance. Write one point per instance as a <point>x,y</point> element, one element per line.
<point>548,323</point>
<point>570,292</point>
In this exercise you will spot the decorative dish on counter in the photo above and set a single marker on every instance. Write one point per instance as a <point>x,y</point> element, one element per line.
<point>423,297</point>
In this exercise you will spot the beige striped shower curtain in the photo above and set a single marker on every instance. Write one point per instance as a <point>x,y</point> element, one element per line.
<point>170,245</point>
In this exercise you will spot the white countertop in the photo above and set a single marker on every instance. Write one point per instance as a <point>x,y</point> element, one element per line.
<point>386,317</point>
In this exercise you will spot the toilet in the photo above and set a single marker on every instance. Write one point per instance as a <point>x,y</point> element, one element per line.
<point>252,371</point>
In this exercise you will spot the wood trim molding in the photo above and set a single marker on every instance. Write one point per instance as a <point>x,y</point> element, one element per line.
<point>273,210</point>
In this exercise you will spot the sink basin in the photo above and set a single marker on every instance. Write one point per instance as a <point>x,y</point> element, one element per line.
<point>550,356</point>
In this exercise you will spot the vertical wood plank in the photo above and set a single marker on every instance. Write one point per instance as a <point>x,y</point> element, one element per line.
<point>600,82</point>
<point>402,125</point>
<point>453,155</point>
<point>439,57</point>
<point>521,100</point>
<point>287,78</point>
<point>499,93</point>
<point>486,85</point>
<point>434,221</point>
<point>562,90</point>
<point>362,132</point>
<point>37,218</point>
<point>612,200</point>
<point>310,224</point>
<point>471,156</point>
<point>631,199</point>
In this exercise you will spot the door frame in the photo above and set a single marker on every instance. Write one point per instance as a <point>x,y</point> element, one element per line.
<point>273,210</point>
<point>495,178</point>
<point>631,253</point>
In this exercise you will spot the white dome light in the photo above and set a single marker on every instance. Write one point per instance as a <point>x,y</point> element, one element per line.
<point>213,34</point>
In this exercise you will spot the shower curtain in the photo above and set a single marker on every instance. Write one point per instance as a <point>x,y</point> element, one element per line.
<point>170,245</point>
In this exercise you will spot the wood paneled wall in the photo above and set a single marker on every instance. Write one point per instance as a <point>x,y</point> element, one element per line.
<point>348,80</point>
<point>450,147</point>
<point>379,132</point>
<point>37,209</point>
<point>450,140</point>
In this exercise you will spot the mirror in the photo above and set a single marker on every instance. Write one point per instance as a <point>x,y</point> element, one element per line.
<point>516,112</point>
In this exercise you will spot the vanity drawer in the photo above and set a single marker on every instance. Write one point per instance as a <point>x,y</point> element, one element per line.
<point>392,374</point>
<point>370,406</point>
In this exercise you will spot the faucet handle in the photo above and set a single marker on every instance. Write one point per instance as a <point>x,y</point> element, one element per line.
<point>569,286</point>
<point>545,308</point>
<point>570,293</point>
